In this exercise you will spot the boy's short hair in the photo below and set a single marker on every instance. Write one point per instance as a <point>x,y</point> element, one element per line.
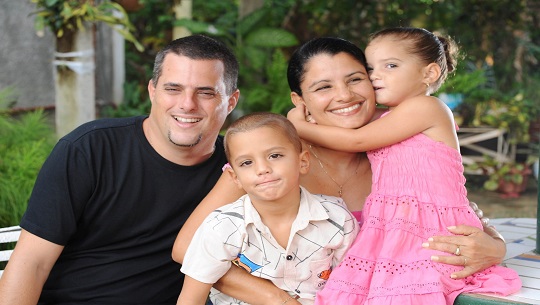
<point>252,121</point>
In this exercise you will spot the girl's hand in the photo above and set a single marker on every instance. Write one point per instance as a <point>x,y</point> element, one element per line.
<point>477,250</point>
<point>300,114</point>
<point>297,114</point>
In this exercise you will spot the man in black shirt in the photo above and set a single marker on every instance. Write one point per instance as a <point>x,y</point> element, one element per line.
<point>111,197</point>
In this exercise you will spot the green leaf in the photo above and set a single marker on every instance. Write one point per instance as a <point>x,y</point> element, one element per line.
<point>491,185</point>
<point>66,11</point>
<point>517,178</point>
<point>256,57</point>
<point>50,3</point>
<point>39,24</point>
<point>246,24</point>
<point>271,38</point>
<point>129,37</point>
<point>108,19</point>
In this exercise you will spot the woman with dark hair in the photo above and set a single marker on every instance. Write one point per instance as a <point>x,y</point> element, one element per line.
<point>418,186</point>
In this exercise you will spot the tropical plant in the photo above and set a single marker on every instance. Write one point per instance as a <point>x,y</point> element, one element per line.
<point>62,16</point>
<point>153,33</point>
<point>7,98</point>
<point>510,113</point>
<point>504,42</point>
<point>258,45</point>
<point>25,143</point>
<point>136,102</point>
<point>464,82</point>
<point>509,178</point>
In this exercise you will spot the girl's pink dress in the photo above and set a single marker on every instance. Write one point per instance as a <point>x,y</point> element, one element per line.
<point>418,190</point>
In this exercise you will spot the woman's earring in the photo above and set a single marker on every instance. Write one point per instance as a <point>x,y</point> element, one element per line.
<point>307,114</point>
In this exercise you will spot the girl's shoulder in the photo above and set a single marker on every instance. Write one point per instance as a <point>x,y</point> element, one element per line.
<point>425,105</point>
<point>424,101</point>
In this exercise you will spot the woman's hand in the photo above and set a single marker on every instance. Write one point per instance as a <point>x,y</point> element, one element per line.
<point>477,249</point>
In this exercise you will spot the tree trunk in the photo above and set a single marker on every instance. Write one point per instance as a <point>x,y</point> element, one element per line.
<point>182,10</point>
<point>248,6</point>
<point>74,67</point>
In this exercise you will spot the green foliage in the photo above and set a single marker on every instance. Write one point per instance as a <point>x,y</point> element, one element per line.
<point>257,42</point>
<point>7,98</point>
<point>503,172</point>
<point>464,82</point>
<point>511,113</point>
<point>475,85</point>
<point>274,92</point>
<point>153,33</point>
<point>69,15</point>
<point>136,102</point>
<point>25,143</point>
<point>152,27</point>
<point>503,48</point>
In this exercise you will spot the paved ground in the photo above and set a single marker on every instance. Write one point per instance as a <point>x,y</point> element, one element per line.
<point>494,206</point>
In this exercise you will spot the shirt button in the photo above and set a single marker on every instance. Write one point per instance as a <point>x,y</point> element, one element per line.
<point>289,257</point>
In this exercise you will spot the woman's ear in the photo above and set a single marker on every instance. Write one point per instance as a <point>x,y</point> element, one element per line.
<point>299,101</point>
<point>432,72</point>
<point>296,99</point>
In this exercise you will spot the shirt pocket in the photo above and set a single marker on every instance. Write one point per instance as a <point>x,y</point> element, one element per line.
<point>321,270</point>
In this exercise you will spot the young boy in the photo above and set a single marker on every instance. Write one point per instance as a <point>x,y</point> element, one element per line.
<point>278,231</point>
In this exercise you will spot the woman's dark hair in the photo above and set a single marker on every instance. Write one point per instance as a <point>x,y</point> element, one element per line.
<point>316,46</point>
<point>428,47</point>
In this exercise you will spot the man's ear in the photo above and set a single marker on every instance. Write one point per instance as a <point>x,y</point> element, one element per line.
<point>233,101</point>
<point>234,177</point>
<point>304,162</point>
<point>151,90</point>
<point>432,72</point>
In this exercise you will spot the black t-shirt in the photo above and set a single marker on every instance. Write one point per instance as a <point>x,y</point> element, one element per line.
<point>117,206</point>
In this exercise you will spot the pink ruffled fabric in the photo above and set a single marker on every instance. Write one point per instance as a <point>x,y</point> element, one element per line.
<point>418,190</point>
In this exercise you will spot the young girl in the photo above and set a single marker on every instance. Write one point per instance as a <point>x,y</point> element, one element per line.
<point>418,184</point>
<point>278,231</point>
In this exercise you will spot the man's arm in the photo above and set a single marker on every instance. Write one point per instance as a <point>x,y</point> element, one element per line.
<point>28,269</point>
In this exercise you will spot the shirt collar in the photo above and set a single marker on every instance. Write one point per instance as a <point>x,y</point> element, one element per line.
<point>310,210</point>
